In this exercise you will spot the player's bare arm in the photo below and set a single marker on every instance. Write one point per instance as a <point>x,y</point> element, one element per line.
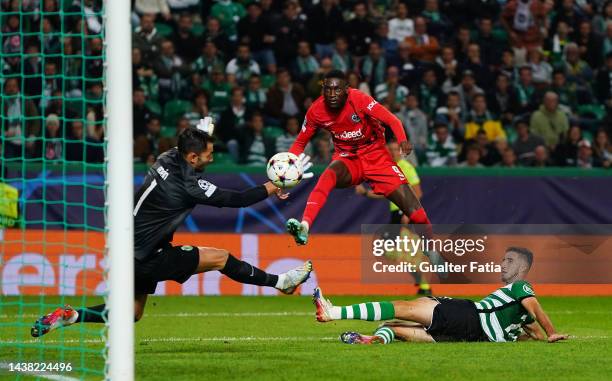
<point>535,309</point>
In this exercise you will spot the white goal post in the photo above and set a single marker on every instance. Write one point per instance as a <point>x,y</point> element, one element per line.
<point>120,238</point>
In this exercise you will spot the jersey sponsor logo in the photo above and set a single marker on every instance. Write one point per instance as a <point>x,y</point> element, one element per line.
<point>528,290</point>
<point>349,135</point>
<point>207,187</point>
<point>371,105</point>
<point>162,172</point>
<point>355,118</point>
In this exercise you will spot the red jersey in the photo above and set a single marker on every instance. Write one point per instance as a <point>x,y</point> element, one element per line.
<point>355,128</point>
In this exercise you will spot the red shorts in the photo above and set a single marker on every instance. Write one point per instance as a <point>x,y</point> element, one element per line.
<point>376,167</point>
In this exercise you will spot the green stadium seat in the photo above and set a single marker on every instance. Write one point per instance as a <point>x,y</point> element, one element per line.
<point>594,110</point>
<point>154,107</point>
<point>167,131</point>
<point>173,110</point>
<point>197,29</point>
<point>267,81</point>
<point>164,30</point>
<point>272,132</point>
<point>223,158</point>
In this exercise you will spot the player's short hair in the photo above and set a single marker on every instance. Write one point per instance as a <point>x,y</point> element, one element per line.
<point>336,74</point>
<point>193,140</point>
<point>524,252</point>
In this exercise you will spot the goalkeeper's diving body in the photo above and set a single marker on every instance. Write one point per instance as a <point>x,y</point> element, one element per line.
<point>510,313</point>
<point>356,122</point>
<point>173,186</point>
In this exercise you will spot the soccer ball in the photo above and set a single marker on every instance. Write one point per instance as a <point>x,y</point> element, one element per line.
<point>284,170</point>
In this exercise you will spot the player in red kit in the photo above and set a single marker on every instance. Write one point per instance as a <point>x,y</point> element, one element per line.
<point>355,121</point>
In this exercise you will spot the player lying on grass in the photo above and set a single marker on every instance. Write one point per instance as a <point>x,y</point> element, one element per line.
<point>510,313</point>
<point>356,122</point>
<point>172,188</point>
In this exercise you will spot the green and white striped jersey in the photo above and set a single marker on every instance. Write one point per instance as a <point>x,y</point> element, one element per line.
<point>501,313</point>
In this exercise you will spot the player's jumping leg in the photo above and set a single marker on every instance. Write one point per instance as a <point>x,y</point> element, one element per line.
<point>419,311</point>
<point>405,198</point>
<point>243,272</point>
<point>337,175</point>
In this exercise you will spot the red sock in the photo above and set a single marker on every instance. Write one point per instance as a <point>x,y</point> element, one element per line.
<point>318,196</point>
<point>420,217</point>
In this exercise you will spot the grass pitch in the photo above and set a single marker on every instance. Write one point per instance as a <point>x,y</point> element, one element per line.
<point>271,338</point>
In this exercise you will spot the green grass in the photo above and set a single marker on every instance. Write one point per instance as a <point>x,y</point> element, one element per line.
<point>271,338</point>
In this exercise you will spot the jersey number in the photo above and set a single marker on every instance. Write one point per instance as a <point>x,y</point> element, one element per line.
<point>399,172</point>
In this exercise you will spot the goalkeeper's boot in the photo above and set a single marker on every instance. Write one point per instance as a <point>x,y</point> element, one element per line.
<point>61,317</point>
<point>298,230</point>
<point>357,338</point>
<point>323,305</point>
<point>293,278</point>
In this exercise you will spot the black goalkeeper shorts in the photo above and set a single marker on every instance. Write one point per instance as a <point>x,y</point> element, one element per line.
<point>177,263</point>
<point>455,320</point>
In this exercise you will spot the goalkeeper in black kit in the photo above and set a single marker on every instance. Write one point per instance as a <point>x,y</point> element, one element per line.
<point>174,185</point>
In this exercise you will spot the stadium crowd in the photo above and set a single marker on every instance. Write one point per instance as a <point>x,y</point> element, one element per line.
<point>475,82</point>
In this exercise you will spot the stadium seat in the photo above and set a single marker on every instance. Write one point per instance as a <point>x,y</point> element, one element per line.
<point>164,30</point>
<point>173,110</point>
<point>272,132</point>
<point>223,158</point>
<point>154,107</point>
<point>197,29</point>
<point>168,131</point>
<point>595,111</point>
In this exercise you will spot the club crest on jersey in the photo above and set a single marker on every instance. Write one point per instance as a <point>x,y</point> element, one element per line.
<point>207,187</point>
<point>355,118</point>
<point>186,248</point>
<point>528,290</point>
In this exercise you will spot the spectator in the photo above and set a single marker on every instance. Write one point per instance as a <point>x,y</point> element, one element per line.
<point>146,39</point>
<point>601,20</point>
<point>32,71</point>
<point>53,143</point>
<point>214,34</point>
<point>391,91</point>
<point>461,42</point>
<point>341,57</point>
<point>184,40</point>
<point>257,33</point>
<point>526,143</point>
<point>291,130</point>
<point>555,45</point>
<point>540,157</point>
<point>355,82</point>
<point>549,121</point>
<point>219,90</point>
<point>502,100</point>
<point>305,65</point>
<point>389,46</point>
<point>452,114</point>
<point>566,153</point>
<point>285,98</point>
<point>429,92</point>
<point>232,119</point>
<point>315,84</point>
<point>528,97</point>
<point>359,30</point>
<point>143,76</point>
<point>442,151</point>
<point>523,21</point>
<point>240,69</point>
<point>578,72</point>
<point>507,65</point>
<point>324,23</point>
<point>255,147</point>
<point>590,45</point>
<point>603,87</point>
<point>228,13</point>
<point>584,158</point>
<point>409,70</point>
<point>198,111</point>
<point>473,63</point>
<point>566,92</point>
<point>490,46</point>
<point>466,89</point>
<point>52,83</point>
<point>289,29</point>
<point>602,149</point>
<point>374,66</point>
<point>209,58</point>
<point>17,112</point>
<point>323,149</point>
<point>541,70</point>
<point>255,95</point>
<point>153,7</point>
<point>508,158</point>
<point>401,26</point>
<point>171,70</point>
<point>415,124</point>
<point>480,119</point>
<point>178,6</point>
<point>447,67</point>
<point>140,112</point>
<point>438,24</point>
<point>83,147</point>
<point>423,47</point>
<point>472,158</point>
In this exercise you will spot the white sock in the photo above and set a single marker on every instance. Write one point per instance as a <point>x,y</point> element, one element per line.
<point>335,313</point>
<point>305,226</point>
<point>281,281</point>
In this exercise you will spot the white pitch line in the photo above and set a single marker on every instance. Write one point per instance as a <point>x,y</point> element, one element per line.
<point>179,339</point>
<point>45,375</point>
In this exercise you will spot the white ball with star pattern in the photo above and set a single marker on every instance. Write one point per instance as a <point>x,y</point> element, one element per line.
<point>284,170</point>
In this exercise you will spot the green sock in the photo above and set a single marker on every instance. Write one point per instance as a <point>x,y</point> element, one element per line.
<point>371,311</point>
<point>386,334</point>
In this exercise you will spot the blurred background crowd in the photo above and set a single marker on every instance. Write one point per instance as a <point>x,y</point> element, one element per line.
<point>475,82</point>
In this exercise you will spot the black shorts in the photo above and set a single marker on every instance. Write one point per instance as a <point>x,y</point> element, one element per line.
<point>177,263</point>
<point>455,320</point>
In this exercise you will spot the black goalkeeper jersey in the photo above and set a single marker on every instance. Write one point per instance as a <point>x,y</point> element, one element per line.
<point>172,188</point>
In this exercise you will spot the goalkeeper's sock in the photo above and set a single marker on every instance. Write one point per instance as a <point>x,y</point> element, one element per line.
<point>386,334</point>
<point>371,311</point>
<point>244,272</point>
<point>318,196</point>
<point>94,314</point>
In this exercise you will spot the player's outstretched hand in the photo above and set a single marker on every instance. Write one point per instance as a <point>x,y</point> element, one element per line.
<point>406,147</point>
<point>306,164</point>
<point>557,337</point>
